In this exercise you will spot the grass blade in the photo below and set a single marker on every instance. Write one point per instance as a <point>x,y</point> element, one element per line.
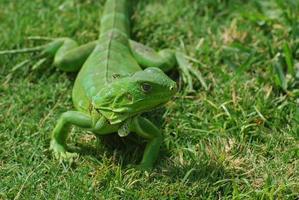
<point>280,78</point>
<point>289,59</point>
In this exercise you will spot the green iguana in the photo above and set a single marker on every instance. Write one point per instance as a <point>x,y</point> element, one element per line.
<point>111,89</point>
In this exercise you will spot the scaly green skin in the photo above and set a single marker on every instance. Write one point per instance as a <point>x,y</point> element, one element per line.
<point>111,89</point>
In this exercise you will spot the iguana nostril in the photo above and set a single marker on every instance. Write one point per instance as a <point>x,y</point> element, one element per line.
<point>172,88</point>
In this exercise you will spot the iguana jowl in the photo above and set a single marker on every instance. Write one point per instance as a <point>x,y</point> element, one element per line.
<point>111,89</point>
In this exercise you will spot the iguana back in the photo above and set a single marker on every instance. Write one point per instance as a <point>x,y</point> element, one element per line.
<point>112,57</point>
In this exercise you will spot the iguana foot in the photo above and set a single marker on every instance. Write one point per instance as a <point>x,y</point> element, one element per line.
<point>188,71</point>
<point>61,154</point>
<point>42,54</point>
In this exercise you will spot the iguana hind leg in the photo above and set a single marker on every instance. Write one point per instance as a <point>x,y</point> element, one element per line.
<point>63,52</point>
<point>148,57</point>
<point>166,60</point>
<point>70,57</point>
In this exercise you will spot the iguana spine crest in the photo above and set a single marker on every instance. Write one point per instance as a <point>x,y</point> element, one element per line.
<point>113,30</point>
<point>109,43</point>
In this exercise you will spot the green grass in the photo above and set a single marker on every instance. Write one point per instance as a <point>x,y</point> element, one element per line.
<point>238,140</point>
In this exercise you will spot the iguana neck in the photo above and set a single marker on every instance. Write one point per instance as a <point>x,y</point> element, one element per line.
<point>115,18</point>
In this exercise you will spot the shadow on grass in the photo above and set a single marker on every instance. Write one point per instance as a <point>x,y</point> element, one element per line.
<point>124,151</point>
<point>129,150</point>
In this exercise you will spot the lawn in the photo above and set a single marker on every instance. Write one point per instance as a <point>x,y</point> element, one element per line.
<point>236,140</point>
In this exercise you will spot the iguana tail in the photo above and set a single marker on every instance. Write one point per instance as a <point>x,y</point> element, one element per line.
<point>116,18</point>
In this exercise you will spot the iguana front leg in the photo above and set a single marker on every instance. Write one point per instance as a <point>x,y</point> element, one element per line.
<point>146,129</point>
<point>70,57</point>
<point>166,59</point>
<point>61,131</point>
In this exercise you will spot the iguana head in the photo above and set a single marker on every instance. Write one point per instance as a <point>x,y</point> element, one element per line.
<point>132,95</point>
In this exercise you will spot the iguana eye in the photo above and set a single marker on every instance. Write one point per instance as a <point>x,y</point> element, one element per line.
<point>146,87</point>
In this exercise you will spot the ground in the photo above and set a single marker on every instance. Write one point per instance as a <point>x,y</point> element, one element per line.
<point>236,140</point>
